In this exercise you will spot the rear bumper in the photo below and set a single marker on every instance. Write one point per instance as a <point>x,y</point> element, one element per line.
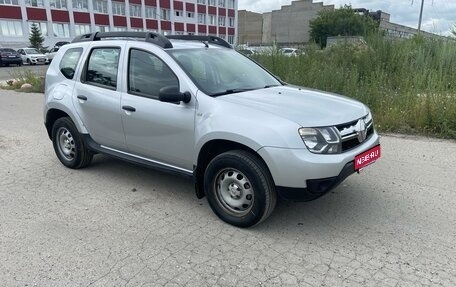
<point>315,187</point>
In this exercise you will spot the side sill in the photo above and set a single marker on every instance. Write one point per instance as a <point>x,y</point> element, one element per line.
<point>93,146</point>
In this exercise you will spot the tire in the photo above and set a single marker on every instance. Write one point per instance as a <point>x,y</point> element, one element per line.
<point>69,146</point>
<point>239,188</point>
<point>28,61</point>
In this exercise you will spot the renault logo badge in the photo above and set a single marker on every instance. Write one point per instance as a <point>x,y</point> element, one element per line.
<point>361,131</point>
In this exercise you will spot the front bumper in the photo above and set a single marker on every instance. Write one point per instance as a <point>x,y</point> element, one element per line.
<point>315,187</point>
<point>299,174</point>
<point>39,60</point>
<point>9,61</point>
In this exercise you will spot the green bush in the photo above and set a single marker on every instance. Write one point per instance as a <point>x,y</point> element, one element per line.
<point>20,77</point>
<point>410,85</point>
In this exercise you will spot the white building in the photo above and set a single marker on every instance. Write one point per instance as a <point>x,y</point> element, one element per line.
<point>62,20</point>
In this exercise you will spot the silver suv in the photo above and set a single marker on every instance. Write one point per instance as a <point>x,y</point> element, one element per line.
<point>193,106</point>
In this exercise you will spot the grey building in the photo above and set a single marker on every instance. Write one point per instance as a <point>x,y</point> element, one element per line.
<point>287,26</point>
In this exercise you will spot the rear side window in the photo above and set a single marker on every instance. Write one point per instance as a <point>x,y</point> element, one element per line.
<point>102,67</point>
<point>69,62</point>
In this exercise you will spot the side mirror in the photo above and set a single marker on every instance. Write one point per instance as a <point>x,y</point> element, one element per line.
<point>171,94</point>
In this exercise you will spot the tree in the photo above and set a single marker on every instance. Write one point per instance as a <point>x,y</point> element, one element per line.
<point>340,22</point>
<point>36,38</point>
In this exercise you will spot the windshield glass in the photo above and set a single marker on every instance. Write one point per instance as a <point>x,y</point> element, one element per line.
<point>32,51</point>
<point>222,71</point>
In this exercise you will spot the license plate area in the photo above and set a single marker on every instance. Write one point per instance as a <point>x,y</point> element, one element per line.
<point>368,157</point>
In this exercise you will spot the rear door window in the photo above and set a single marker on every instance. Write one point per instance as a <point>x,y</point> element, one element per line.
<point>102,67</point>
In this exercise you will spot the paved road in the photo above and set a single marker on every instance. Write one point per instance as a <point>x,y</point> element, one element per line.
<point>7,73</point>
<point>115,224</point>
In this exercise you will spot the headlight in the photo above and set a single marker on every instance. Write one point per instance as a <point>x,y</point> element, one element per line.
<point>321,140</point>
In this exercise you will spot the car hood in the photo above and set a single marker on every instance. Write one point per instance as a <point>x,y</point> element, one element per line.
<point>306,107</point>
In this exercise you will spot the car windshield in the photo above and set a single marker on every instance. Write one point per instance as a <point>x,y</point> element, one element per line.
<point>32,51</point>
<point>6,50</point>
<point>222,71</point>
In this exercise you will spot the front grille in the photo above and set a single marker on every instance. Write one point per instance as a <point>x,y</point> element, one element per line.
<point>349,133</point>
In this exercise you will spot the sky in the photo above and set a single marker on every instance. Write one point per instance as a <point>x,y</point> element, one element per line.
<point>439,16</point>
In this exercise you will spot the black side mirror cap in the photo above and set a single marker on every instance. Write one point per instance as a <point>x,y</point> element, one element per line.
<point>171,94</point>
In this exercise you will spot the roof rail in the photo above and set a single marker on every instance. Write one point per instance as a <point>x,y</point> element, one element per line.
<point>151,37</point>
<point>210,39</point>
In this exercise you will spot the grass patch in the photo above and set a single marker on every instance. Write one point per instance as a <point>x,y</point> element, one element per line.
<point>20,77</point>
<point>410,85</point>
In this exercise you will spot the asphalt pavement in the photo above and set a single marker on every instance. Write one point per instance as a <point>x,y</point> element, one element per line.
<point>116,224</point>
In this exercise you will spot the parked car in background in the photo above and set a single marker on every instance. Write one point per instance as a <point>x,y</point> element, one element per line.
<point>247,52</point>
<point>290,52</point>
<point>60,44</point>
<point>32,56</point>
<point>9,56</point>
<point>50,55</point>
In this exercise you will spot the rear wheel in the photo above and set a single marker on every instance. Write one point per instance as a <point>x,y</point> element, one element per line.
<point>239,188</point>
<point>68,144</point>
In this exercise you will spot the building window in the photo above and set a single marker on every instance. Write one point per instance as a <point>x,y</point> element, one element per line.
<point>221,21</point>
<point>190,15</point>
<point>231,39</point>
<point>80,5</point>
<point>101,28</point>
<point>231,21</point>
<point>100,6</point>
<point>166,32</point>
<point>80,29</point>
<point>202,18</point>
<point>223,36</point>
<point>164,14</point>
<point>178,13</point>
<point>222,3</point>
<point>231,4</point>
<point>118,8</point>
<point>211,2</point>
<point>212,20</point>
<point>11,28</point>
<point>41,25</point>
<point>119,28</point>
<point>9,2</point>
<point>135,10</point>
<point>201,1</point>
<point>151,12</point>
<point>58,4</point>
<point>34,3</point>
<point>61,30</point>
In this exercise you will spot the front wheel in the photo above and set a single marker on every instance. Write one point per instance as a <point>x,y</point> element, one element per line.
<point>239,188</point>
<point>68,144</point>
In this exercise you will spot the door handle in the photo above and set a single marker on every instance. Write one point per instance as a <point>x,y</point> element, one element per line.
<point>129,108</point>
<point>82,98</point>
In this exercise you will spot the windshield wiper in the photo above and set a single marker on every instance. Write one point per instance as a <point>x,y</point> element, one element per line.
<point>231,91</point>
<point>270,86</point>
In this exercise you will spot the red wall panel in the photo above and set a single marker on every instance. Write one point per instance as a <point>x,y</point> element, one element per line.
<point>60,16</point>
<point>36,14</point>
<point>190,7</point>
<point>191,28</point>
<point>165,25</point>
<point>10,12</point>
<point>179,5</point>
<point>231,13</point>
<point>136,22</point>
<point>201,9</point>
<point>151,24</point>
<point>179,27</point>
<point>202,29</point>
<point>222,11</point>
<point>231,31</point>
<point>81,17</point>
<point>101,19</point>
<point>165,4</point>
<point>212,30</point>
<point>135,2</point>
<point>150,3</point>
<point>212,10</point>
<point>222,30</point>
<point>120,21</point>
